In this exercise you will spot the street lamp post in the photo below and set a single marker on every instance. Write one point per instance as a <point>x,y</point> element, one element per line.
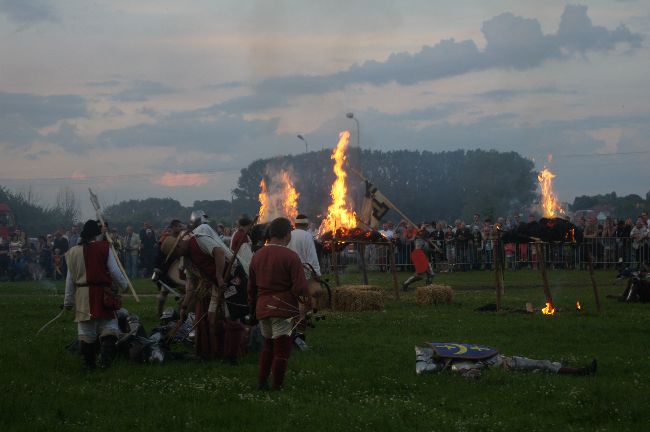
<point>302,138</point>
<point>352,117</point>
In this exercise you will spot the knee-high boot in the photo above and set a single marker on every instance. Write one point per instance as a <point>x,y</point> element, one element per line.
<point>107,351</point>
<point>89,353</point>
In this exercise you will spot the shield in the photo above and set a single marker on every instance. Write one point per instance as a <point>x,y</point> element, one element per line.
<point>420,261</point>
<point>462,351</point>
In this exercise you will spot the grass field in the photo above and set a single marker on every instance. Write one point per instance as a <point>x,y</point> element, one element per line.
<point>359,374</point>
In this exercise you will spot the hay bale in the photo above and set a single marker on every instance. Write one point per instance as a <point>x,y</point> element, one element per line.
<point>357,298</point>
<point>434,294</point>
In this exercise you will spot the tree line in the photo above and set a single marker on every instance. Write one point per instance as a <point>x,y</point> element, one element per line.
<point>423,184</point>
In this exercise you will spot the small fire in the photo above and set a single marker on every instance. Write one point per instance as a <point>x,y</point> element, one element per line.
<point>550,203</point>
<point>278,200</point>
<point>578,307</point>
<point>548,310</point>
<point>339,213</point>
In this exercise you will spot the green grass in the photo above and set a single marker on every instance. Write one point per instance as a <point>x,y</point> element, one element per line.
<point>360,373</point>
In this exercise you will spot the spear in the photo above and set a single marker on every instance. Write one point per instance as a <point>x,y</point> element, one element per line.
<point>100,216</point>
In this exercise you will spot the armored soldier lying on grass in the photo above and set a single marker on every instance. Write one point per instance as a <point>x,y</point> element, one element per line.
<point>469,360</point>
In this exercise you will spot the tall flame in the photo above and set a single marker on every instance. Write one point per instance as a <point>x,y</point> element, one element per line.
<point>578,307</point>
<point>339,213</point>
<point>549,309</point>
<point>290,201</point>
<point>263,197</point>
<point>278,200</point>
<point>550,203</point>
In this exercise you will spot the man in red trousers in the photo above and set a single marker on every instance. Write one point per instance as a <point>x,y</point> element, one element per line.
<point>276,285</point>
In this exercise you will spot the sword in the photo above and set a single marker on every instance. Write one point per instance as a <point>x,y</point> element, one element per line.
<point>47,324</point>
<point>170,289</point>
<point>51,321</point>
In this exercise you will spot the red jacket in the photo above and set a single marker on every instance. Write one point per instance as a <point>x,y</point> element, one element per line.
<point>276,278</point>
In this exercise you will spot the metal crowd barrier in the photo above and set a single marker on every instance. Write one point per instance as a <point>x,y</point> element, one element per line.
<point>464,256</point>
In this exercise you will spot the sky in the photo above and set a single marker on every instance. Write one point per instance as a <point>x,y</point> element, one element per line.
<point>171,99</point>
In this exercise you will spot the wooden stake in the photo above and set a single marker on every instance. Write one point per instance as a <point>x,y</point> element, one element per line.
<point>335,262</point>
<point>590,261</point>
<point>541,259</point>
<point>393,269</point>
<point>362,262</point>
<point>498,272</point>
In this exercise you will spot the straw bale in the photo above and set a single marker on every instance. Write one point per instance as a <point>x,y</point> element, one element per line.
<point>434,294</point>
<point>357,298</point>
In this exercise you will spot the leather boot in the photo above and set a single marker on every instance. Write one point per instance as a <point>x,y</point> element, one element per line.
<point>107,351</point>
<point>281,351</point>
<point>409,281</point>
<point>89,353</point>
<point>590,369</point>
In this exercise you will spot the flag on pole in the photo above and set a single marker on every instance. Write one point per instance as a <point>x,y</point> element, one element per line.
<point>375,206</point>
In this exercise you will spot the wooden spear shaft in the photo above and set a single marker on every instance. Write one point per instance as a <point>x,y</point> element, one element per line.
<point>387,201</point>
<point>590,261</point>
<point>95,203</point>
<point>541,259</point>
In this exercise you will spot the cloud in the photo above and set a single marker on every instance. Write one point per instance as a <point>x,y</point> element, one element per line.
<point>107,83</point>
<point>142,91</point>
<point>28,12</point>
<point>23,114</point>
<point>512,42</point>
<point>577,33</point>
<point>507,94</point>
<point>41,111</point>
<point>194,130</point>
<point>176,179</point>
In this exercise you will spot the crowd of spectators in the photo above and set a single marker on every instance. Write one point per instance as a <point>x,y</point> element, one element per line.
<point>463,246</point>
<point>451,247</point>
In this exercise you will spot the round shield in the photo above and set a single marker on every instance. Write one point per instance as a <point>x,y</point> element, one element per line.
<point>173,272</point>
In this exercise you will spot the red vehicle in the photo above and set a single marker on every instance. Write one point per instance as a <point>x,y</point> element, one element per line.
<point>7,222</point>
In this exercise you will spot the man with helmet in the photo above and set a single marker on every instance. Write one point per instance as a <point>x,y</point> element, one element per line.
<point>219,287</point>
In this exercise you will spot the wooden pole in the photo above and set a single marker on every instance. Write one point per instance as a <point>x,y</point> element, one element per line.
<point>335,263</point>
<point>541,259</point>
<point>95,202</point>
<point>362,262</point>
<point>387,201</point>
<point>498,272</point>
<point>590,261</point>
<point>393,269</point>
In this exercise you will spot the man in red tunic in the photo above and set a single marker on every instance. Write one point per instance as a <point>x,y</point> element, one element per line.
<point>244,225</point>
<point>92,272</point>
<point>219,332</point>
<point>276,284</point>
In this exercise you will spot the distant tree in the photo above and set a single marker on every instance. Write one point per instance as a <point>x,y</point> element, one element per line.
<point>33,218</point>
<point>157,211</point>
<point>68,204</point>
<point>217,210</point>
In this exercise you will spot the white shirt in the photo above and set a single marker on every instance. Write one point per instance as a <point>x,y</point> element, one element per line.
<point>302,243</point>
<point>208,239</point>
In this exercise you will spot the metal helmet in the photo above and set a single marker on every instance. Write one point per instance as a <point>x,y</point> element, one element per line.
<point>198,217</point>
